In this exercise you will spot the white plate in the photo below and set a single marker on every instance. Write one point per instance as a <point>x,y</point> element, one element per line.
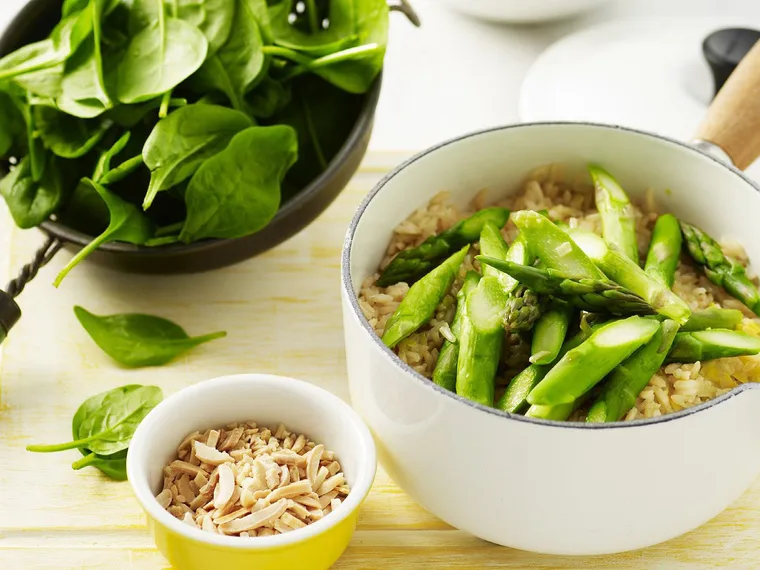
<point>646,74</point>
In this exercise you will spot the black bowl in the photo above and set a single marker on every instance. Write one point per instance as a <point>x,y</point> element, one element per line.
<point>36,20</point>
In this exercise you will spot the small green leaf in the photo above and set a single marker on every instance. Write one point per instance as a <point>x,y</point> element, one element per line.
<point>30,202</point>
<point>113,466</point>
<point>67,136</point>
<point>237,192</point>
<point>136,340</point>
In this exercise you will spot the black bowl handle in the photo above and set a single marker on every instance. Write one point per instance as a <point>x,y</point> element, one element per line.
<point>10,312</point>
<point>405,8</point>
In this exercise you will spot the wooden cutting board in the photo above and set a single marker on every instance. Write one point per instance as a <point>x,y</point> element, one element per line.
<point>282,314</point>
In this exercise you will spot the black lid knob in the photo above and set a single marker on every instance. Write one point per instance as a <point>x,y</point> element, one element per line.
<point>10,313</point>
<point>724,50</point>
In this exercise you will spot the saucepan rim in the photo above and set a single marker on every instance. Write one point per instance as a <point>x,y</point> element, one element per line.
<point>346,283</point>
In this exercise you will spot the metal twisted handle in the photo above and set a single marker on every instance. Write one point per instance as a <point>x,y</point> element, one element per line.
<point>405,8</point>
<point>41,258</point>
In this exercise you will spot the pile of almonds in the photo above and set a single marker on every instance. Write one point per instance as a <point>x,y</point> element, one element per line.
<point>244,480</point>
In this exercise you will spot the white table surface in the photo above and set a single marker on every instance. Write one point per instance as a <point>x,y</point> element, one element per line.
<point>455,74</point>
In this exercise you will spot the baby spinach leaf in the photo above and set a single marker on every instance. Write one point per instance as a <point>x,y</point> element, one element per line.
<point>31,57</point>
<point>127,224</point>
<point>72,30</point>
<point>83,91</point>
<point>212,17</point>
<point>67,136</point>
<point>135,340</point>
<point>73,6</point>
<point>181,142</point>
<point>104,161</point>
<point>86,211</point>
<point>30,202</point>
<point>123,170</point>
<point>105,423</point>
<point>129,115</point>
<point>159,58</point>
<point>44,83</point>
<point>237,192</point>
<point>113,466</point>
<point>37,155</point>
<point>338,36</point>
<point>12,127</point>
<point>234,69</point>
<point>268,97</point>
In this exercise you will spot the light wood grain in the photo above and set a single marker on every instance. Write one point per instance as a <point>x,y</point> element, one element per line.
<point>733,120</point>
<point>282,313</point>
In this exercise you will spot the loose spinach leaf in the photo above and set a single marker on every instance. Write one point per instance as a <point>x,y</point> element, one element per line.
<point>103,165</point>
<point>67,136</point>
<point>237,192</point>
<point>269,97</point>
<point>159,58</point>
<point>128,116</point>
<point>139,340</point>
<point>83,90</point>
<point>113,466</point>
<point>127,223</point>
<point>339,35</point>
<point>44,84</point>
<point>122,171</point>
<point>86,211</point>
<point>12,127</point>
<point>30,58</point>
<point>105,423</point>
<point>212,17</point>
<point>181,142</point>
<point>30,202</point>
<point>37,154</point>
<point>234,69</point>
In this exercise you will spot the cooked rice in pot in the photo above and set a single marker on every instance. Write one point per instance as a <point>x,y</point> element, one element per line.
<point>674,387</point>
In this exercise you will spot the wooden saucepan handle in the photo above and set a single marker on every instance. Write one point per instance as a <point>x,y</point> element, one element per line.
<point>733,119</point>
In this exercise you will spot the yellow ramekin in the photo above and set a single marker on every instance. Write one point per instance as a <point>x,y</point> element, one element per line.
<point>267,400</point>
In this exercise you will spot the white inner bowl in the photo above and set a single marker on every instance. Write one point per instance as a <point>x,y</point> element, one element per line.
<point>267,400</point>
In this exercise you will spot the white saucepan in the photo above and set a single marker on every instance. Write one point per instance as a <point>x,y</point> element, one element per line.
<point>559,487</point>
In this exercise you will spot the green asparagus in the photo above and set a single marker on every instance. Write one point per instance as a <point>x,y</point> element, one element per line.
<point>719,269</point>
<point>479,355</point>
<point>522,309</point>
<point>627,273</point>
<point>664,250</point>
<point>553,246</point>
<point>616,211</point>
<point>583,367</point>
<point>412,264</point>
<point>712,344</point>
<point>422,299</point>
<point>514,400</point>
<point>594,295</point>
<point>557,413</point>
<point>713,318</point>
<point>627,380</point>
<point>549,333</point>
<point>445,373</point>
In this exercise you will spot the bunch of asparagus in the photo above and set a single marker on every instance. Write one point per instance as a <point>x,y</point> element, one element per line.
<point>551,277</point>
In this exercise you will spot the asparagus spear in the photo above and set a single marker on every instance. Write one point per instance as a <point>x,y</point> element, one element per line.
<point>664,250</point>
<point>514,400</point>
<point>411,264</point>
<point>445,373</point>
<point>718,268</point>
<point>631,377</point>
<point>553,246</point>
<point>549,333</point>
<point>422,299</point>
<point>713,318</point>
<point>479,354</point>
<point>522,309</point>
<point>558,413</point>
<point>712,344</point>
<point>627,273</point>
<point>618,218</point>
<point>594,295</point>
<point>583,367</point>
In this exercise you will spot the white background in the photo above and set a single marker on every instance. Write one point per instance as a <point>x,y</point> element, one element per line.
<point>455,74</point>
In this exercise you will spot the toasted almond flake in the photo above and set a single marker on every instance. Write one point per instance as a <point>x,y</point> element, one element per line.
<point>292,490</point>
<point>208,524</point>
<point>324,501</point>
<point>231,440</point>
<point>298,510</point>
<point>265,531</point>
<point>281,527</point>
<point>184,488</point>
<point>188,441</point>
<point>312,462</point>
<point>333,468</point>
<point>273,477</point>
<point>316,514</point>
<point>343,489</point>
<point>330,484</point>
<point>260,504</point>
<point>188,520</point>
<point>335,503</point>
<point>320,478</point>
<point>289,458</point>
<point>185,467</point>
<point>212,440</point>
<point>288,443</point>
<point>232,516</point>
<point>164,498</point>
<point>284,476</point>
<point>294,474</point>
<point>225,488</point>
<point>299,444</point>
<point>292,521</point>
<point>210,455</point>
<point>307,501</point>
<point>176,511</point>
<point>246,499</point>
<point>281,432</point>
<point>328,456</point>
<point>263,517</point>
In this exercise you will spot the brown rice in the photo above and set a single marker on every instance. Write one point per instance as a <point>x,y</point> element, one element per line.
<point>674,387</point>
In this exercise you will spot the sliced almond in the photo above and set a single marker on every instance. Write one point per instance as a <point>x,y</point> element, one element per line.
<point>265,531</point>
<point>312,462</point>
<point>185,467</point>
<point>294,474</point>
<point>189,520</point>
<point>335,503</point>
<point>322,475</point>
<point>333,468</point>
<point>289,458</point>
<point>292,521</point>
<point>232,516</point>
<point>225,488</point>
<point>299,444</point>
<point>201,480</point>
<point>231,440</point>
<point>298,510</point>
<point>164,498</point>
<point>281,527</point>
<point>307,501</point>
<point>213,438</point>
<point>330,484</point>
<point>273,477</point>
<point>184,488</point>
<point>253,521</point>
<point>325,500</point>
<point>316,514</point>
<point>284,476</point>
<point>288,491</point>
<point>210,455</point>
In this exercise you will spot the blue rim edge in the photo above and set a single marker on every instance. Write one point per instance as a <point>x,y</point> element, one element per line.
<point>347,285</point>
